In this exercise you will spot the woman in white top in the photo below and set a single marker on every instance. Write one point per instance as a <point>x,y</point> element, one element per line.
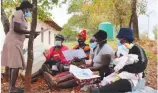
<point>102,53</point>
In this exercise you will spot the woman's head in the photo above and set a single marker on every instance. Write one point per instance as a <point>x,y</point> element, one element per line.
<point>100,36</point>
<point>59,39</point>
<point>26,6</point>
<point>125,35</point>
<point>82,37</point>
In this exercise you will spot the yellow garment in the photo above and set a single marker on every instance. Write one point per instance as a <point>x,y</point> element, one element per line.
<point>115,79</point>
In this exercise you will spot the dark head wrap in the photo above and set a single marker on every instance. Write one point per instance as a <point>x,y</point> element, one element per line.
<point>24,5</point>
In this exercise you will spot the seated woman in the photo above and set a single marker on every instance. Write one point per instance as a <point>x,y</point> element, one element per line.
<point>82,44</point>
<point>55,56</point>
<point>125,36</point>
<point>103,55</point>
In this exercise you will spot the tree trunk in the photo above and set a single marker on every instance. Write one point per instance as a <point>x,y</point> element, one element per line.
<point>134,19</point>
<point>6,26</point>
<point>120,19</point>
<point>5,21</point>
<point>130,22</point>
<point>30,49</point>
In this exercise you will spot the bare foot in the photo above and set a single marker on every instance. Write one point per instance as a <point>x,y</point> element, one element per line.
<point>49,80</point>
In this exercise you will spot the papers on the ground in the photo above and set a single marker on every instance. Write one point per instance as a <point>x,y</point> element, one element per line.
<point>54,67</point>
<point>82,73</point>
<point>70,54</point>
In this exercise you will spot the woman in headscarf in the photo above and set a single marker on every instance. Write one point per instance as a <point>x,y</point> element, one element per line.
<point>12,54</point>
<point>81,43</point>
<point>103,54</point>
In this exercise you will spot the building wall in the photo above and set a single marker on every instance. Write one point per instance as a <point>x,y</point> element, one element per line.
<point>47,35</point>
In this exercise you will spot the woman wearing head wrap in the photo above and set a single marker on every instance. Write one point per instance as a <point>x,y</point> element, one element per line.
<point>82,44</point>
<point>125,38</point>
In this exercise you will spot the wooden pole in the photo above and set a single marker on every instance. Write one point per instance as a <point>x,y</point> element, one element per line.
<point>30,49</point>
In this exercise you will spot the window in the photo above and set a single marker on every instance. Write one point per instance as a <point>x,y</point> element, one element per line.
<point>49,37</point>
<point>42,35</point>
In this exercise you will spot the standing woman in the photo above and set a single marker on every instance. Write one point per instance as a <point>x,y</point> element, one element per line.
<point>12,55</point>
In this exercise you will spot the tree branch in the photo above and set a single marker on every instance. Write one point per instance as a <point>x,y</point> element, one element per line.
<point>5,21</point>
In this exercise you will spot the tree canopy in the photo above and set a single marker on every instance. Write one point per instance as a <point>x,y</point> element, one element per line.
<point>87,14</point>
<point>43,7</point>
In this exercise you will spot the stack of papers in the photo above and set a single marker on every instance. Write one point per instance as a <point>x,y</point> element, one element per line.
<point>71,54</point>
<point>82,73</point>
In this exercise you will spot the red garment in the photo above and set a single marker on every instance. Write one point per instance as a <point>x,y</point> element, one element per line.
<point>57,55</point>
<point>82,34</point>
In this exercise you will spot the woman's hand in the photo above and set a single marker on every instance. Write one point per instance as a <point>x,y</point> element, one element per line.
<point>83,66</point>
<point>76,59</point>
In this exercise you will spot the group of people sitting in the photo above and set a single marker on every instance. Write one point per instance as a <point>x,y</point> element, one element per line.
<point>119,71</point>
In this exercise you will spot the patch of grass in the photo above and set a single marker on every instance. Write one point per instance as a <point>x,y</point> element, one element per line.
<point>71,44</point>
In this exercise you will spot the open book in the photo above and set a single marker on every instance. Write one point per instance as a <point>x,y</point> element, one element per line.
<point>82,73</point>
<point>70,54</point>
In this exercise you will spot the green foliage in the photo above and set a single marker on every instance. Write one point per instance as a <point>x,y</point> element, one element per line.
<point>142,6</point>
<point>155,31</point>
<point>69,34</point>
<point>89,13</point>
<point>43,7</point>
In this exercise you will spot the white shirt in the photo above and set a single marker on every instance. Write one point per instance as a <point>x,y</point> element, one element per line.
<point>106,49</point>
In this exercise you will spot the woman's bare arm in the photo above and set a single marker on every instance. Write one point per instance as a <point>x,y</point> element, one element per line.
<point>36,34</point>
<point>27,36</point>
<point>19,29</point>
<point>105,61</point>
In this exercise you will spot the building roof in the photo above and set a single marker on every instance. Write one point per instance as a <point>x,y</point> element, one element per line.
<point>53,24</point>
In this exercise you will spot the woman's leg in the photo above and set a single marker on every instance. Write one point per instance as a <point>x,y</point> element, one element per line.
<point>67,84</point>
<point>122,85</point>
<point>14,76</point>
<point>64,78</point>
<point>66,81</point>
<point>9,74</point>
